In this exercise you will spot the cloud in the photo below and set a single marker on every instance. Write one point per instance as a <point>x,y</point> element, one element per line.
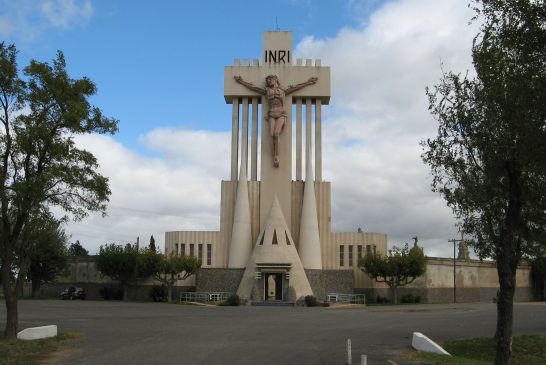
<point>180,190</point>
<point>379,114</point>
<point>25,20</point>
<point>65,13</point>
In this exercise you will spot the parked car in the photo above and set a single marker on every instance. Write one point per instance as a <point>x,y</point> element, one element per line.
<point>73,293</point>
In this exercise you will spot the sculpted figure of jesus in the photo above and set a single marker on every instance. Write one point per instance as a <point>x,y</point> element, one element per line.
<point>276,116</point>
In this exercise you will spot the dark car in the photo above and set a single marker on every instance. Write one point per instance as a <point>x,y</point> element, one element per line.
<point>73,293</point>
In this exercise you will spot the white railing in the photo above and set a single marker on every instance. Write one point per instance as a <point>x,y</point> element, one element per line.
<point>346,298</point>
<point>204,297</point>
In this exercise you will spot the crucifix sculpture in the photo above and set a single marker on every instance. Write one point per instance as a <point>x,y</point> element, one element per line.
<point>276,115</point>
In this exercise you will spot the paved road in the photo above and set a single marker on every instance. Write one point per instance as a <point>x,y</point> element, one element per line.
<point>156,333</point>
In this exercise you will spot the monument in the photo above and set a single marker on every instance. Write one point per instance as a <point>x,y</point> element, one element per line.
<point>275,240</point>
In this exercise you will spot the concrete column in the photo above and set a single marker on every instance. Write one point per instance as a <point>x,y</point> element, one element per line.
<point>234,138</point>
<point>254,141</point>
<point>309,239</point>
<point>240,246</point>
<point>318,140</point>
<point>308,138</point>
<point>298,139</point>
<point>244,133</point>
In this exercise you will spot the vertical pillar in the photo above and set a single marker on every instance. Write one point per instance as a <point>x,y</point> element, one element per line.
<point>298,139</point>
<point>318,140</point>
<point>308,143</point>
<point>254,141</point>
<point>244,134</point>
<point>234,138</point>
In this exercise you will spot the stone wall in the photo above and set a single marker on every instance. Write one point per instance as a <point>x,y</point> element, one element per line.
<point>475,281</point>
<point>330,281</point>
<point>218,280</point>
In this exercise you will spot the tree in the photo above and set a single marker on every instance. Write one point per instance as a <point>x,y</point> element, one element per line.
<point>77,250</point>
<point>171,268</point>
<point>49,258</point>
<point>152,244</point>
<point>489,158</point>
<point>40,165</point>
<point>400,267</point>
<point>119,263</point>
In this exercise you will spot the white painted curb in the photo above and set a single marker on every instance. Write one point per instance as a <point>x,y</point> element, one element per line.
<point>423,343</point>
<point>36,333</point>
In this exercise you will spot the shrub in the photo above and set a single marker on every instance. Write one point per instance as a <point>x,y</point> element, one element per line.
<point>310,301</point>
<point>382,300</point>
<point>233,301</point>
<point>410,298</point>
<point>158,293</point>
<point>370,299</point>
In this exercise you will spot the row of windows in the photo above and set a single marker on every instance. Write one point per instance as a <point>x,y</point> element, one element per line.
<point>192,251</point>
<point>350,254</point>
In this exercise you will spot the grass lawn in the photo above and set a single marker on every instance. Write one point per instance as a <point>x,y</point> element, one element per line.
<point>21,352</point>
<point>528,350</point>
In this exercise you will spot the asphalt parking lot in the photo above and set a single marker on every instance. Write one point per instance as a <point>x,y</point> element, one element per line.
<point>157,333</point>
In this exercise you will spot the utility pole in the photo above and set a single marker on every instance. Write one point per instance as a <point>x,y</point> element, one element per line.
<point>455,265</point>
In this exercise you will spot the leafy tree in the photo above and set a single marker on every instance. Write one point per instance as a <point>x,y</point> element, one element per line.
<point>152,244</point>
<point>170,268</point>
<point>400,267</point>
<point>119,263</point>
<point>77,250</point>
<point>49,258</point>
<point>40,165</point>
<point>489,158</point>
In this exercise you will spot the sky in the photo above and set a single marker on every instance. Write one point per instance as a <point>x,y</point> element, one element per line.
<point>159,67</point>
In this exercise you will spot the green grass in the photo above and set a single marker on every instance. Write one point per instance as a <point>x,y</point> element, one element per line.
<point>19,352</point>
<point>526,350</point>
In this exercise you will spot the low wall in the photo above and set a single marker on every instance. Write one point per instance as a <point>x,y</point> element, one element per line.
<point>330,281</point>
<point>475,281</point>
<point>218,280</point>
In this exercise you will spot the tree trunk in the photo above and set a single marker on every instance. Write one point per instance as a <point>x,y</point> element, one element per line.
<point>10,331</point>
<point>36,284</point>
<point>125,292</point>
<point>394,295</point>
<point>505,312</point>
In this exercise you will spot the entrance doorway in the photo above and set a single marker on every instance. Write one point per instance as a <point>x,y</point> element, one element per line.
<point>273,286</point>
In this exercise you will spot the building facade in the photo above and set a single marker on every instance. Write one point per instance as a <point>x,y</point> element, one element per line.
<point>275,214</point>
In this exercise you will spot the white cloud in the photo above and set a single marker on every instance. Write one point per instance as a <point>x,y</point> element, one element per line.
<point>25,20</point>
<point>179,191</point>
<point>379,115</point>
<point>64,13</point>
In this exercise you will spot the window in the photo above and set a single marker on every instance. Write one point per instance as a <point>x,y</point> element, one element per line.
<point>341,255</point>
<point>359,252</point>
<point>209,254</point>
<point>368,250</point>
<point>350,255</point>
<point>183,249</point>
<point>200,251</point>
<point>176,249</point>
<point>192,250</point>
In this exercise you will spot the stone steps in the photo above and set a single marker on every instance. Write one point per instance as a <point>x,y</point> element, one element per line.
<point>272,303</point>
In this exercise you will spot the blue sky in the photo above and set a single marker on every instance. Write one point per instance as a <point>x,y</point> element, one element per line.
<point>159,70</point>
<point>161,63</point>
